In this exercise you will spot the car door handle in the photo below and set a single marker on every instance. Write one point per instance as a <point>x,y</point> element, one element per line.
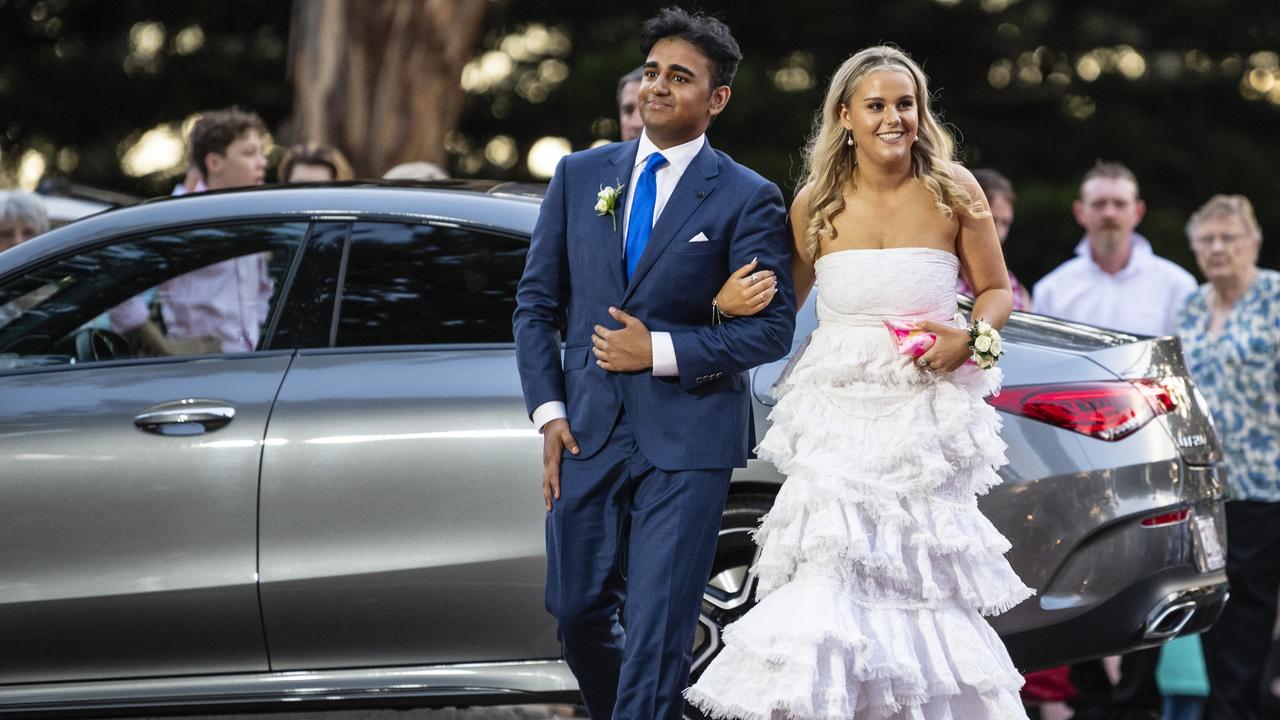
<point>190,416</point>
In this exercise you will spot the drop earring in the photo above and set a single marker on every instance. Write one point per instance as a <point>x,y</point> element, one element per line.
<point>848,139</point>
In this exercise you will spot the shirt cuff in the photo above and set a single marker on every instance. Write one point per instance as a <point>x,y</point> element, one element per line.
<point>548,411</point>
<point>664,355</point>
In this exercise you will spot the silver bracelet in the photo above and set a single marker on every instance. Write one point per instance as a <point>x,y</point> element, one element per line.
<point>718,316</point>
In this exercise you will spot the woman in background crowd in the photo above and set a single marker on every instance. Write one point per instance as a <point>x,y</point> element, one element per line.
<point>314,162</point>
<point>22,217</point>
<point>1230,332</point>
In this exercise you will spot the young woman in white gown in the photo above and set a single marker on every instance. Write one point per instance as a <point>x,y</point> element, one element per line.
<point>876,566</point>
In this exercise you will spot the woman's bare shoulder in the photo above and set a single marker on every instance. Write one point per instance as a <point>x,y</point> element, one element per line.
<point>800,204</point>
<point>963,174</point>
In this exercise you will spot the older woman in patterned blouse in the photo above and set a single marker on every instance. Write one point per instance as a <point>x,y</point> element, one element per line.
<point>1230,331</point>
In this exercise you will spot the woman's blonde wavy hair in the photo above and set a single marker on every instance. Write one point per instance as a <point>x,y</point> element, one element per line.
<point>829,162</point>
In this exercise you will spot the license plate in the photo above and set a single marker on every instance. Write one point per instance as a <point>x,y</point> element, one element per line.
<point>1209,554</point>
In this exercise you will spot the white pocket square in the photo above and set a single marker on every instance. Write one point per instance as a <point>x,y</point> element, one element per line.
<point>699,238</point>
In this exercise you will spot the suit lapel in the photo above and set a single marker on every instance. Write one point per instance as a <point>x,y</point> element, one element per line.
<point>618,170</point>
<point>694,187</point>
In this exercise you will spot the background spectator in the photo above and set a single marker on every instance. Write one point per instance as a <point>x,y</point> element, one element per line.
<point>1000,196</point>
<point>416,171</point>
<point>314,162</point>
<point>1115,280</point>
<point>1181,677</point>
<point>22,217</point>
<point>629,123</point>
<point>222,306</point>
<point>1230,332</point>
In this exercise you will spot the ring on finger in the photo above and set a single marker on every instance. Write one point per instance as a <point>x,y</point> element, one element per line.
<point>753,278</point>
<point>922,363</point>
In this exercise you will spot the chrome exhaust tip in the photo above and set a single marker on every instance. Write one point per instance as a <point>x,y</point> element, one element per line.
<point>1168,619</point>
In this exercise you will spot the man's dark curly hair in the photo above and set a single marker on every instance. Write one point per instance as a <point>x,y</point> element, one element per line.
<point>217,129</point>
<point>711,36</point>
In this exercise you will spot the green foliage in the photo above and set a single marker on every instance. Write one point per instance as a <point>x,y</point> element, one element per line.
<point>72,78</point>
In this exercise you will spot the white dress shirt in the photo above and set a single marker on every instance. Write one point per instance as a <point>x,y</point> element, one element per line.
<point>1144,297</point>
<point>679,157</point>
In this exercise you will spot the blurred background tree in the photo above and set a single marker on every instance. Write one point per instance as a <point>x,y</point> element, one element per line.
<point>1186,93</point>
<point>379,78</point>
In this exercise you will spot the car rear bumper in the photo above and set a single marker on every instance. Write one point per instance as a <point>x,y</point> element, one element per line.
<point>1174,601</point>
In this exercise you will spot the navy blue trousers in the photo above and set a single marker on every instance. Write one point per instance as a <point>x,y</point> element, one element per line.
<point>626,534</point>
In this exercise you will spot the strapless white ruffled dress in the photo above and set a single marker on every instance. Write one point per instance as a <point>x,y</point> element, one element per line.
<point>875,564</point>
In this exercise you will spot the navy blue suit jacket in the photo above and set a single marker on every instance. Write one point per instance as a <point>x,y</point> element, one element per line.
<point>575,271</point>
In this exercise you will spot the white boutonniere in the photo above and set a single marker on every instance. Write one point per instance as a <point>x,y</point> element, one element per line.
<point>985,343</point>
<point>607,202</point>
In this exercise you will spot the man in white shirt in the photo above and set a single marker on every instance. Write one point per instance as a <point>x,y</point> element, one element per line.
<point>221,307</point>
<point>1115,281</point>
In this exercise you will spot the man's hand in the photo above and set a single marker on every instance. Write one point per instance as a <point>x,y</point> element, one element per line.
<point>627,349</point>
<point>555,438</point>
<point>197,345</point>
<point>147,340</point>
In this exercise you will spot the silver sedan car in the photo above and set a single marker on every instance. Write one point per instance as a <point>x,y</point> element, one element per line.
<point>343,506</point>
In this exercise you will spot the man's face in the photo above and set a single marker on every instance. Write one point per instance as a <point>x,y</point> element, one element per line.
<point>1002,214</point>
<point>629,120</point>
<point>1225,249</point>
<point>1109,210</point>
<point>242,164</point>
<point>677,100</point>
<point>14,231</point>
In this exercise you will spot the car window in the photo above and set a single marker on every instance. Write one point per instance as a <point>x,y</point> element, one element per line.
<point>306,319</point>
<point>409,284</point>
<point>193,291</point>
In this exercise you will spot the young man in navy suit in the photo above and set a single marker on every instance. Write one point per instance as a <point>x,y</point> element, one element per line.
<point>649,410</point>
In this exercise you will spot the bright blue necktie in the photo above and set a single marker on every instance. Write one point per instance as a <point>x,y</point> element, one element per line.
<point>642,202</point>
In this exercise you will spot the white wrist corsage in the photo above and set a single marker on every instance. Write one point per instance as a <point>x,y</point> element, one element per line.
<point>985,343</point>
<point>607,202</point>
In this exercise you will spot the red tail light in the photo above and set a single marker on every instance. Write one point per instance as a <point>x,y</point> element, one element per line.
<point>1169,518</point>
<point>1106,410</point>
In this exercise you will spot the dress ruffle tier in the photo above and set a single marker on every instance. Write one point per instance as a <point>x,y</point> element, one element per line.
<point>876,564</point>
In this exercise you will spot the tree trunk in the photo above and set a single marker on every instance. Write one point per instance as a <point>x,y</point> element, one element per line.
<point>380,79</point>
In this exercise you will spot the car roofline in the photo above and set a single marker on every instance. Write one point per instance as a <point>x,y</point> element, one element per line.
<point>508,207</point>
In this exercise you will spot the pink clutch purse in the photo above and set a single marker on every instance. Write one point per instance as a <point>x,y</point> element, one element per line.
<point>910,340</point>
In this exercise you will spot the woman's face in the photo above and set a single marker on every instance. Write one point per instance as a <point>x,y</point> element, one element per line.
<point>14,231</point>
<point>1224,248</point>
<point>309,172</point>
<point>882,116</point>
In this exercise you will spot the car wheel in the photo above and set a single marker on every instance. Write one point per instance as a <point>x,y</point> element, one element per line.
<point>731,590</point>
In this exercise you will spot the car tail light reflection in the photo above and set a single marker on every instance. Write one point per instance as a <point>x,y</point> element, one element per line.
<point>1106,410</point>
<point>1169,518</point>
